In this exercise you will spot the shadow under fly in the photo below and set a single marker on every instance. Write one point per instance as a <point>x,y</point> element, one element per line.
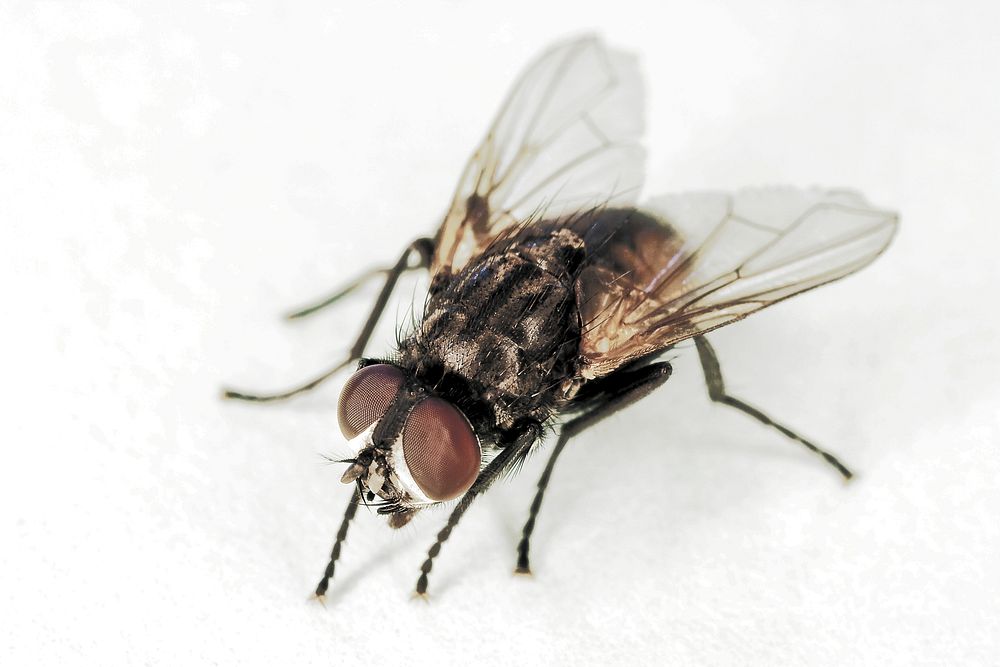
<point>553,295</point>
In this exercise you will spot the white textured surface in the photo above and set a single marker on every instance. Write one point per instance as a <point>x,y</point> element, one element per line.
<point>172,179</point>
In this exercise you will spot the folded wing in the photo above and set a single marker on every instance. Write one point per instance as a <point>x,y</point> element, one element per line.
<point>566,138</point>
<point>718,258</point>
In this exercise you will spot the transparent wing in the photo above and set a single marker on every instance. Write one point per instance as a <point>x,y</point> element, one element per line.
<point>566,138</point>
<point>717,258</point>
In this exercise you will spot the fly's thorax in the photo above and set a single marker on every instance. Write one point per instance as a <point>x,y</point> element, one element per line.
<point>509,325</point>
<point>552,246</point>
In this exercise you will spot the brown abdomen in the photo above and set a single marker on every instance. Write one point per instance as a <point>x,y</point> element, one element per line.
<point>629,255</point>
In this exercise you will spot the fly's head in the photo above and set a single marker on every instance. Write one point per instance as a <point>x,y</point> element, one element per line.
<point>411,448</point>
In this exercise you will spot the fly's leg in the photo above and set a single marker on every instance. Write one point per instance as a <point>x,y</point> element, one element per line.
<point>352,508</point>
<point>620,389</point>
<point>425,252</point>
<point>717,392</point>
<point>500,464</point>
<point>338,295</point>
<point>425,248</point>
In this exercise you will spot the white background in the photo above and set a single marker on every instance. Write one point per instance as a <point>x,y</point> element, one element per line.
<point>172,180</point>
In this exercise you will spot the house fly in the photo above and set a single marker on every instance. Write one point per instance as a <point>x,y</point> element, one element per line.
<point>553,295</point>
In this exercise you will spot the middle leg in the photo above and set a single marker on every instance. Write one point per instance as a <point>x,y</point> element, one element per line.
<point>622,389</point>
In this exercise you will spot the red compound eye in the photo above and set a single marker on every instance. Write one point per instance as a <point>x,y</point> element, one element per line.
<point>366,397</point>
<point>441,450</point>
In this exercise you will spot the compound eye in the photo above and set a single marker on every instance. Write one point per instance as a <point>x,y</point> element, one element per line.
<point>441,449</point>
<point>366,397</point>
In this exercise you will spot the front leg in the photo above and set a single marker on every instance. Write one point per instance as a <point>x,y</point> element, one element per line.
<point>502,462</point>
<point>424,249</point>
<point>352,508</point>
